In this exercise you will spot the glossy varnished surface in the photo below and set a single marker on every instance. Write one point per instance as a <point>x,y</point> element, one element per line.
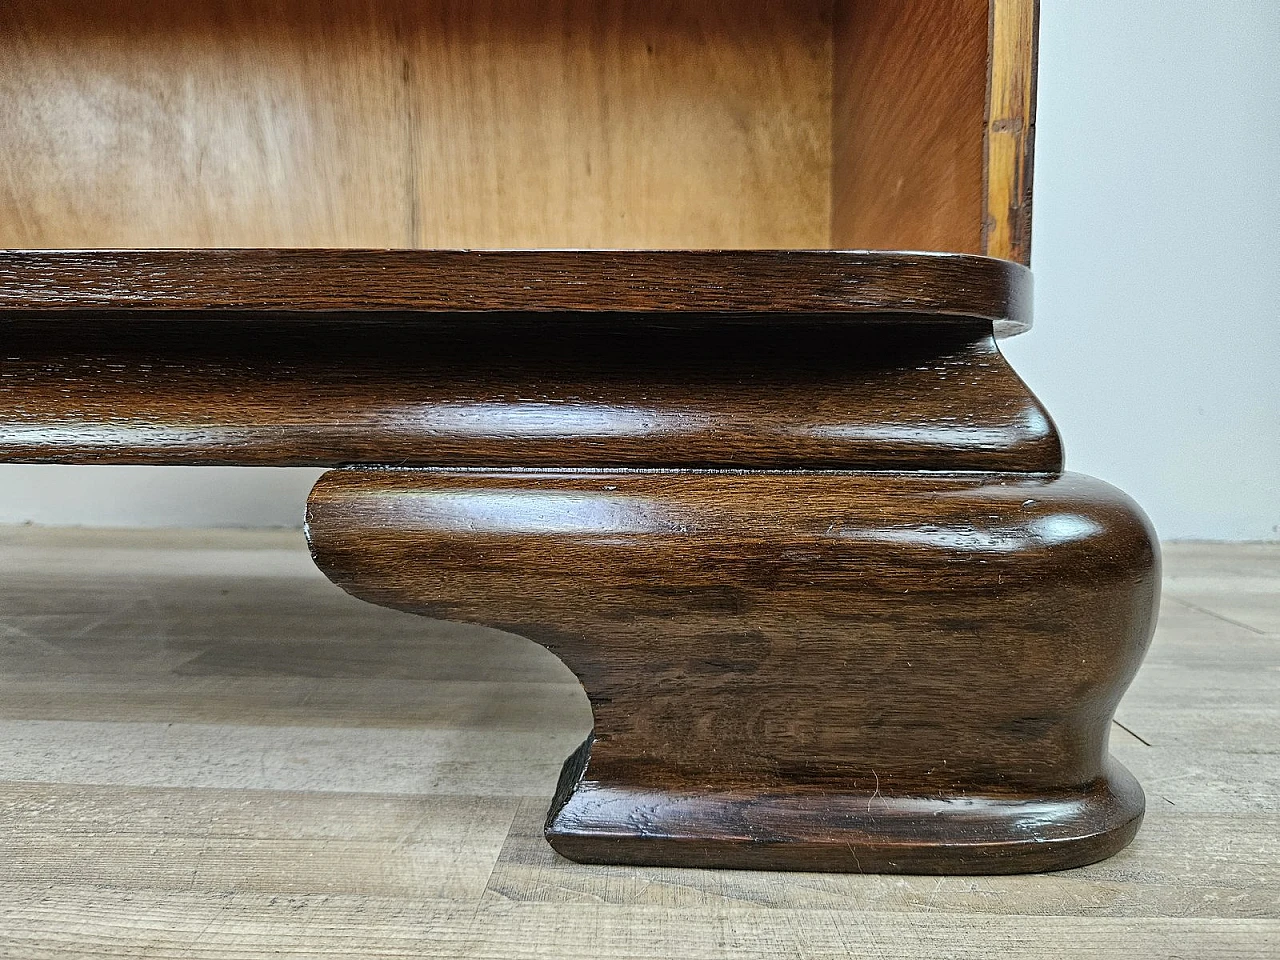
<point>322,281</point>
<point>819,671</point>
<point>812,827</point>
<point>518,390</point>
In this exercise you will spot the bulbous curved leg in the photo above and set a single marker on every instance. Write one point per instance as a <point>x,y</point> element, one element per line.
<point>814,671</point>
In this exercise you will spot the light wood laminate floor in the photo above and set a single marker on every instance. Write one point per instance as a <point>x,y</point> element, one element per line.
<point>206,750</point>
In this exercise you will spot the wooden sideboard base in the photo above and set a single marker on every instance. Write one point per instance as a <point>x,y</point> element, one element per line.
<point>911,672</point>
<point>818,829</point>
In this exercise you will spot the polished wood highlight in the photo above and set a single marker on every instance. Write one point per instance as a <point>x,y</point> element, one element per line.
<point>769,282</point>
<point>891,672</point>
<point>518,390</point>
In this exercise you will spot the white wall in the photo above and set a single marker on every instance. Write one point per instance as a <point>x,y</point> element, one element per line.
<point>154,496</point>
<point>1157,245</point>
<point>1156,250</point>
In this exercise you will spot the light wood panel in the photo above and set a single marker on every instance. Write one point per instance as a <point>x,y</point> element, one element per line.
<point>933,125</point>
<point>236,633</point>
<point>519,123</point>
<point>87,923</point>
<point>507,123</point>
<point>626,123</point>
<point>909,81</point>
<point>146,122</point>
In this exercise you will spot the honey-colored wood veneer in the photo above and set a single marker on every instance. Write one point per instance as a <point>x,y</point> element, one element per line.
<point>565,123</point>
<point>909,82</point>
<point>525,123</point>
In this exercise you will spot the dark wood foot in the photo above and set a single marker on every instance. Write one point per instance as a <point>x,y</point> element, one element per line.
<point>801,826</point>
<point>810,671</point>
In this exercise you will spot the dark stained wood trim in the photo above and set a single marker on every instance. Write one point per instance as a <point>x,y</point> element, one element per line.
<point>839,671</point>
<point>772,282</point>
<point>519,390</point>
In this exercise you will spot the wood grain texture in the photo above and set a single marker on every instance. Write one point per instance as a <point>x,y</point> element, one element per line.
<point>379,281</point>
<point>98,624</point>
<point>398,123</point>
<point>558,123</point>
<point>517,390</point>
<point>1011,129</point>
<point>46,926</point>
<point>909,103</point>
<point>934,125</point>
<point>374,844</point>
<point>782,667</point>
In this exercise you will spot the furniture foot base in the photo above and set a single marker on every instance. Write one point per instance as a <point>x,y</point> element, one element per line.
<point>835,671</point>
<point>815,829</point>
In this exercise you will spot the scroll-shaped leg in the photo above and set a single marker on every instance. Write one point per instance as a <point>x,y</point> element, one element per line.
<point>812,671</point>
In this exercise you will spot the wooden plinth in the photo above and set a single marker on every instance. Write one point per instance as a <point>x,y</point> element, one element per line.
<point>819,671</point>
<point>789,516</point>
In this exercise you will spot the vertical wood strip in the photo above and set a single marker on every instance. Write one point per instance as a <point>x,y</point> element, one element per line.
<point>1011,125</point>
